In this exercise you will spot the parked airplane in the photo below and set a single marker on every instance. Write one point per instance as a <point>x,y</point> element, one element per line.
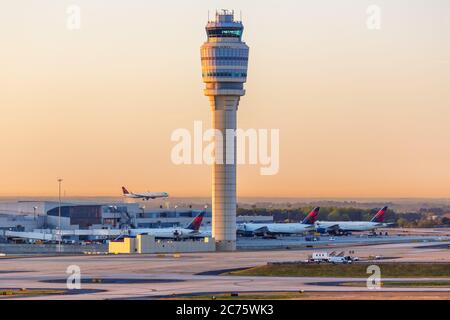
<point>273,229</point>
<point>207,232</point>
<point>346,227</point>
<point>144,195</point>
<point>191,231</point>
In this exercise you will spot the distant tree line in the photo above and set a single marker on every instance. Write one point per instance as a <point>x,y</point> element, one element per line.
<point>421,219</point>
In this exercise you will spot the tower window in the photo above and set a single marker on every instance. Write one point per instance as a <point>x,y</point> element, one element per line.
<point>224,32</point>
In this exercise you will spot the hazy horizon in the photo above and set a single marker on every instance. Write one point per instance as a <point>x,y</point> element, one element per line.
<point>207,197</point>
<point>362,113</point>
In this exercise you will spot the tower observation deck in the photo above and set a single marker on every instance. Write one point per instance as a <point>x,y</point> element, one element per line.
<point>224,70</point>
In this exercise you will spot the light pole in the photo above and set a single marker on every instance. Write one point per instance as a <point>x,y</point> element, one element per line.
<point>34,213</point>
<point>176,215</point>
<point>205,207</point>
<point>59,214</point>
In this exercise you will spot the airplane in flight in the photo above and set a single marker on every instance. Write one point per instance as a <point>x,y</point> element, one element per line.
<point>190,231</point>
<point>144,195</point>
<point>346,227</point>
<point>274,229</point>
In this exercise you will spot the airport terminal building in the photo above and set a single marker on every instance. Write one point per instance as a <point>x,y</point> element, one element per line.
<point>30,215</point>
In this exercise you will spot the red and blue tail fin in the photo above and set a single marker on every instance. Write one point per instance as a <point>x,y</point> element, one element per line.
<point>379,217</point>
<point>312,216</point>
<point>125,191</point>
<point>197,222</point>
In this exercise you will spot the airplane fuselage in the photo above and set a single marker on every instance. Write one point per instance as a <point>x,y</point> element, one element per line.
<point>169,233</point>
<point>147,195</point>
<point>349,226</point>
<point>274,228</point>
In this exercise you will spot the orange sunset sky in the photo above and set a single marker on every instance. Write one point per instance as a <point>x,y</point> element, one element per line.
<point>361,113</point>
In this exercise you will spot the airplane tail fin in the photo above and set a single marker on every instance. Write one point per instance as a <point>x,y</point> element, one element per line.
<point>312,216</point>
<point>197,222</point>
<point>125,191</point>
<point>379,217</point>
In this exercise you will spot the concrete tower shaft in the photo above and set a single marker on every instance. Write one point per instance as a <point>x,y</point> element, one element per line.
<point>224,69</point>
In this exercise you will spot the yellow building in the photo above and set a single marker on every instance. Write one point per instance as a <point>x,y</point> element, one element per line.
<point>148,244</point>
<point>124,245</point>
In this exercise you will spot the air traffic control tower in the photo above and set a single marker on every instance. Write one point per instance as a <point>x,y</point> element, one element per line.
<point>224,69</point>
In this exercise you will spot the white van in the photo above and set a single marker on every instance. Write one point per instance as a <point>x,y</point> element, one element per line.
<point>344,260</point>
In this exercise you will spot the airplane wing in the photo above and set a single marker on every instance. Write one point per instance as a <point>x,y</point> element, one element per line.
<point>328,229</point>
<point>262,229</point>
<point>333,227</point>
<point>385,224</point>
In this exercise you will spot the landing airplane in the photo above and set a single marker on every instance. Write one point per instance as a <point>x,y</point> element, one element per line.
<point>144,195</point>
<point>191,231</point>
<point>345,227</point>
<point>273,229</point>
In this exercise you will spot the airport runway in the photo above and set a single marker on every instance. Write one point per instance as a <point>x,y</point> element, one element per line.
<point>148,276</point>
